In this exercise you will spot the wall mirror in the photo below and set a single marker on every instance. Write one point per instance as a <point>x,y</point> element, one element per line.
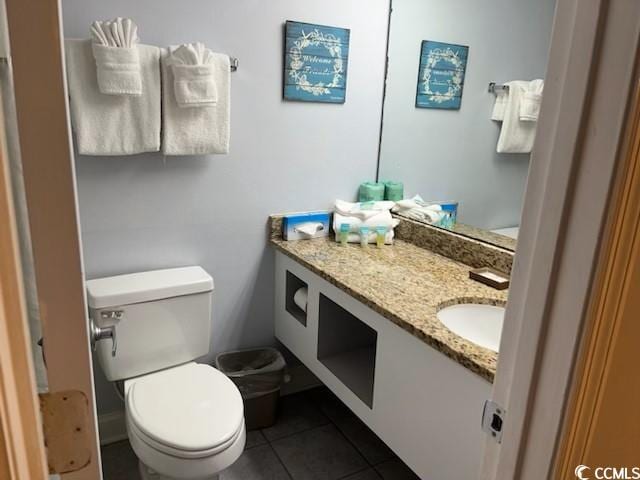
<point>438,136</point>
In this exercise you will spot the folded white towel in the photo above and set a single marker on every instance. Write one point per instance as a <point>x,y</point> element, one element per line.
<point>111,124</point>
<point>418,209</point>
<point>531,100</point>
<point>196,131</point>
<point>382,219</point>
<point>362,210</point>
<point>516,136</point>
<point>194,75</point>
<point>355,237</point>
<point>116,55</point>
<point>499,107</point>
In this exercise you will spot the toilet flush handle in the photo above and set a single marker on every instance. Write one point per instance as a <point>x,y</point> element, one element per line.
<point>102,333</point>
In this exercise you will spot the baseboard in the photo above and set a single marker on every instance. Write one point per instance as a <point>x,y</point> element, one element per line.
<point>112,427</point>
<point>301,379</point>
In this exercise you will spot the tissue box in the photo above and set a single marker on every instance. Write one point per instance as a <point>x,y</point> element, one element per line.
<point>318,223</point>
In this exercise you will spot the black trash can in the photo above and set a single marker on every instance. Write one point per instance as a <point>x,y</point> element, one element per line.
<point>259,374</point>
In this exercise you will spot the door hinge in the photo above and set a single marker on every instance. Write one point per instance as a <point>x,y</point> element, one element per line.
<point>493,417</point>
<point>65,419</point>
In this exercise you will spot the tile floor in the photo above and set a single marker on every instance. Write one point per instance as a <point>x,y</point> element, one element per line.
<point>316,438</point>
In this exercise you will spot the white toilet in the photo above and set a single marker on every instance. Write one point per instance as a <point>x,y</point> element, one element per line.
<point>184,420</point>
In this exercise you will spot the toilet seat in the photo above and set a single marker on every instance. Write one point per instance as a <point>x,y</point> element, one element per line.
<point>189,411</point>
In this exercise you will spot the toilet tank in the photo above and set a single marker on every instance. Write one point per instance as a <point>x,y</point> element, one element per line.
<point>162,318</point>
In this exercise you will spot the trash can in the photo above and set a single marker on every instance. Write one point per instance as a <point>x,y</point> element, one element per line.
<point>258,373</point>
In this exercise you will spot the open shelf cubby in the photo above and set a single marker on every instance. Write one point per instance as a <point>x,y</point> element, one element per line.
<point>293,285</point>
<point>347,347</point>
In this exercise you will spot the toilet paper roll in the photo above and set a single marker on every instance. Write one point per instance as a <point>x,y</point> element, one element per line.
<point>393,191</point>
<point>300,298</point>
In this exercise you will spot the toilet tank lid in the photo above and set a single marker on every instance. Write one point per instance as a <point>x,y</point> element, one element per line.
<point>147,286</point>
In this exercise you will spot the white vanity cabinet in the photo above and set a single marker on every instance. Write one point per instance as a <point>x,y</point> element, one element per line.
<point>426,407</point>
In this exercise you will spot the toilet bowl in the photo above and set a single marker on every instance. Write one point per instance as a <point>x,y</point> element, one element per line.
<point>185,420</point>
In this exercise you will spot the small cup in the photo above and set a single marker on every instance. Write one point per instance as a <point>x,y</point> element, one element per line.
<point>381,236</point>
<point>364,236</point>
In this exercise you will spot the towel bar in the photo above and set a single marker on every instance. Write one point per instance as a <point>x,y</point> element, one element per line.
<point>494,87</point>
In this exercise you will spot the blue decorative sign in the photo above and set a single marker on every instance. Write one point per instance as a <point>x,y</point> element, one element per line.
<point>315,63</point>
<point>441,75</point>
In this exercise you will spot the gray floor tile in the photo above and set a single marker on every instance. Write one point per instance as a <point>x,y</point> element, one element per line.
<point>255,438</point>
<point>366,475</point>
<point>368,444</point>
<point>296,414</point>
<point>119,462</point>
<point>259,463</point>
<point>319,454</point>
<point>396,470</point>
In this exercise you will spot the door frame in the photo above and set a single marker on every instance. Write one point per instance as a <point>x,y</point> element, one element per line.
<point>22,453</point>
<point>35,35</point>
<point>593,53</point>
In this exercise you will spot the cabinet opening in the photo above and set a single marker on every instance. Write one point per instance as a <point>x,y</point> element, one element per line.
<point>293,293</point>
<point>347,347</point>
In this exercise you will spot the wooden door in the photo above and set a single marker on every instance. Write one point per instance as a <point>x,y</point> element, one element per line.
<point>603,423</point>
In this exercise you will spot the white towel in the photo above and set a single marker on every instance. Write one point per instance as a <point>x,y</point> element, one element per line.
<point>196,131</point>
<point>362,210</point>
<point>355,237</point>
<point>499,107</point>
<point>531,100</point>
<point>116,55</point>
<point>193,75</point>
<point>382,219</point>
<point>112,124</point>
<point>417,209</point>
<point>516,136</point>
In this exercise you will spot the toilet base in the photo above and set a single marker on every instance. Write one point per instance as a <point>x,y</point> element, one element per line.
<point>147,473</point>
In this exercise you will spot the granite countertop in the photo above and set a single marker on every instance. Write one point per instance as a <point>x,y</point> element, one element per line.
<point>406,284</point>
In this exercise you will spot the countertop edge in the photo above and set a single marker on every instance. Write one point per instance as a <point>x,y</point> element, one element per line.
<point>459,357</point>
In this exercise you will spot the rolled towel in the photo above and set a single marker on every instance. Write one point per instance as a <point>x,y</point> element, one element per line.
<point>300,298</point>
<point>115,50</point>
<point>194,75</point>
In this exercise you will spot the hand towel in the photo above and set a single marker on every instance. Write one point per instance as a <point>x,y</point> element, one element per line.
<point>531,100</point>
<point>417,209</point>
<point>196,131</point>
<point>500,105</point>
<point>362,210</point>
<point>516,136</point>
<point>117,62</point>
<point>193,75</point>
<point>383,219</point>
<point>112,124</point>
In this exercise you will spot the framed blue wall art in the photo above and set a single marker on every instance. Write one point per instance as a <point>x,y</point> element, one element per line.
<point>441,75</point>
<point>315,62</point>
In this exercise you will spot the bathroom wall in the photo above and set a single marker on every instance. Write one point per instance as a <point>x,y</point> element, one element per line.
<point>146,211</point>
<point>451,154</point>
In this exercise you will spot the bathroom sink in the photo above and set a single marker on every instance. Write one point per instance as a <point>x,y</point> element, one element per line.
<point>480,324</point>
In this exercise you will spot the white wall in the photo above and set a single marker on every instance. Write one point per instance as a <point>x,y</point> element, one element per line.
<point>451,154</point>
<point>145,212</point>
